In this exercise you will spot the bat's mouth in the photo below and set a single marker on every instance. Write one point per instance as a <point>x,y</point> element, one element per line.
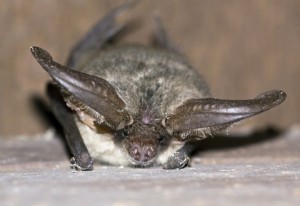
<point>134,163</point>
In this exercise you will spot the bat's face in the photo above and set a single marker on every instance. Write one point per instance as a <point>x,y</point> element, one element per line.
<point>143,142</point>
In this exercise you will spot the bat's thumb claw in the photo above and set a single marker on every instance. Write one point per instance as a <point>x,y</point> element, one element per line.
<point>82,164</point>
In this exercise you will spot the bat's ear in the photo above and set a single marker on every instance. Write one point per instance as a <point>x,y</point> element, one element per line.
<point>199,116</point>
<point>92,91</point>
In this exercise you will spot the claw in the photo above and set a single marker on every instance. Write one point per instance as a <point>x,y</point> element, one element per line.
<point>86,165</point>
<point>178,160</point>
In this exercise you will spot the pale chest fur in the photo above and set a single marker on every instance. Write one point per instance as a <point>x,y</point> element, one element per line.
<point>103,149</point>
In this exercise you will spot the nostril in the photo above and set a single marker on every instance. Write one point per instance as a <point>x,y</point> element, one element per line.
<point>136,153</point>
<point>135,150</point>
<point>148,154</point>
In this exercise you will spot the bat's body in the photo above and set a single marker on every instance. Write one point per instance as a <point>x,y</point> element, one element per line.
<point>136,105</point>
<point>140,74</point>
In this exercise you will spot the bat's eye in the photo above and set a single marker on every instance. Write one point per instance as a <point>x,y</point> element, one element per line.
<point>125,133</point>
<point>161,138</point>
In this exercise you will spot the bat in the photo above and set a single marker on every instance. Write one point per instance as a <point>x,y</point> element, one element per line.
<point>135,105</point>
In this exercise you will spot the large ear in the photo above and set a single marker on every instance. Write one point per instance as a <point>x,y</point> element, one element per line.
<point>214,114</point>
<point>92,91</point>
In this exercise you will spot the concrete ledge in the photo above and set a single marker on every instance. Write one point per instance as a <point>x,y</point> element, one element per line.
<point>36,171</point>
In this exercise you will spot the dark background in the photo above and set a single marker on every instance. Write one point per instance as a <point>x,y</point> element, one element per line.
<point>241,47</point>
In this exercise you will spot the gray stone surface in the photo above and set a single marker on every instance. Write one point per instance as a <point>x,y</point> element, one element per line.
<point>233,170</point>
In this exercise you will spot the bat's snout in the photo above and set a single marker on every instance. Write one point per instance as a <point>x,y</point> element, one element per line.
<point>142,152</point>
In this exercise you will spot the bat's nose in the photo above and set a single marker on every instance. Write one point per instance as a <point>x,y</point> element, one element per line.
<point>142,153</point>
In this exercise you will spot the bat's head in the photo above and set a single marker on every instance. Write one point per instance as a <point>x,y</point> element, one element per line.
<point>143,142</point>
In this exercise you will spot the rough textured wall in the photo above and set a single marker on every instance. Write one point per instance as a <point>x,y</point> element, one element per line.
<point>241,47</point>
